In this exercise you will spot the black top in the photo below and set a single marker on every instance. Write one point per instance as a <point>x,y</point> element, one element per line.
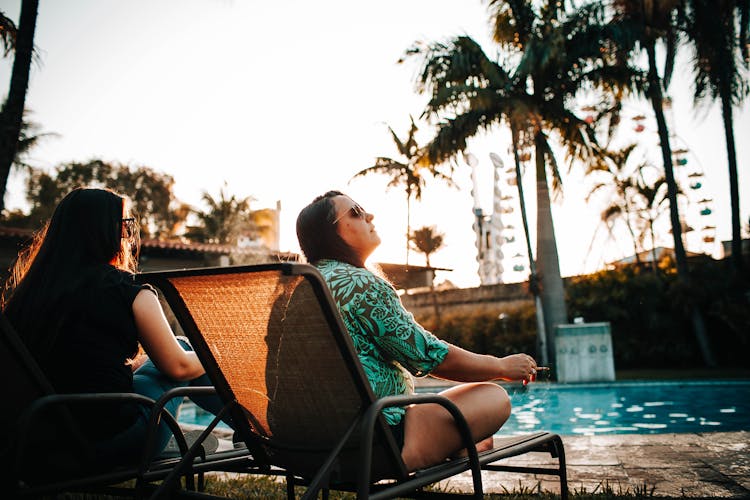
<point>97,336</point>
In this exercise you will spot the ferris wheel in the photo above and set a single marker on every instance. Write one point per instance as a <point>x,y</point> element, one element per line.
<point>695,204</point>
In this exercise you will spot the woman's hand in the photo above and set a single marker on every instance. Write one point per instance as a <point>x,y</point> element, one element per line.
<point>138,361</point>
<point>519,367</point>
<point>461,365</point>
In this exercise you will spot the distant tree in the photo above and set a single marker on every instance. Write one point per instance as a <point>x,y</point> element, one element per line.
<point>427,240</point>
<point>653,202</point>
<point>11,115</point>
<point>225,219</point>
<point>616,178</point>
<point>411,173</point>
<point>149,191</point>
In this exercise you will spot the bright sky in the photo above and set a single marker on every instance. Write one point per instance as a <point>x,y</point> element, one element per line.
<point>285,100</point>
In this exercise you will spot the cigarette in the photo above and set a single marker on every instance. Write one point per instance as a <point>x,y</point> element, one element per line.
<point>542,368</point>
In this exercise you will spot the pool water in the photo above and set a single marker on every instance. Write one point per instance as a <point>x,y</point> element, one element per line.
<point>611,408</point>
<point>630,407</point>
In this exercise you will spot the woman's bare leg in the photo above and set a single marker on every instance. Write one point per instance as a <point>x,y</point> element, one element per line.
<point>431,435</point>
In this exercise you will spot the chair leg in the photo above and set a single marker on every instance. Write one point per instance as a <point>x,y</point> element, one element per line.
<point>560,452</point>
<point>289,487</point>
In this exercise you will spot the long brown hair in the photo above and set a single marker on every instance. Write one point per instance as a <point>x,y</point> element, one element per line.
<point>317,234</point>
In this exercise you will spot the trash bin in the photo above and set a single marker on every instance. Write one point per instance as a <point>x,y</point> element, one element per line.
<point>584,353</point>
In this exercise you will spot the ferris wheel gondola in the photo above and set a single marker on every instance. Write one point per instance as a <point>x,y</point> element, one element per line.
<point>695,208</point>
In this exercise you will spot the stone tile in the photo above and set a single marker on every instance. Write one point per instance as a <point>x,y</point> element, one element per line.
<point>701,482</point>
<point>704,465</point>
<point>657,456</point>
<point>596,473</point>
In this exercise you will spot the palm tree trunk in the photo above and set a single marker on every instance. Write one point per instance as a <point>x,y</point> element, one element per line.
<point>655,93</point>
<point>408,226</point>
<point>548,264</point>
<point>541,337</point>
<point>654,266</point>
<point>657,102</point>
<point>734,193</point>
<point>11,115</point>
<point>629,225</point>
<point>435,305</point>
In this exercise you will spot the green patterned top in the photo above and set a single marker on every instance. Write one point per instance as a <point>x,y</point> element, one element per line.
<point>387,339</point>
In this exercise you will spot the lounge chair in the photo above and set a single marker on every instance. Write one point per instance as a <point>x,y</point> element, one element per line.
<point>43,451</point>
<point>273,343</point>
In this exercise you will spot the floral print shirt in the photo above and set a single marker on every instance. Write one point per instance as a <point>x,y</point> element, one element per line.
<point>389,342</point>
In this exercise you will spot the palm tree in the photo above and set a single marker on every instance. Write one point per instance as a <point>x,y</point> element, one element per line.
<point>719,42</point>
<point>635,27</point>
<point>11,115</point>
<point>226,218</point>
<point>28,138</point>
<point>472,93</point>
<point>652,198</point>
<point>408,173</point>
<point>8,34</point>
<point>427,240</point>
<point>620,183</point>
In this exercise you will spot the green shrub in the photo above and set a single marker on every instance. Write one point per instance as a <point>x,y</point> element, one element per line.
<point>649,312</point>
<point>489,334</point>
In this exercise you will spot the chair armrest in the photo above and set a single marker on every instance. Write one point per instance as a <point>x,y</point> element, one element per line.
<point>372,413</point>
<point>157,411</point>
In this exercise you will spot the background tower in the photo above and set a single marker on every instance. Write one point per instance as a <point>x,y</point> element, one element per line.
<point>488,228</point>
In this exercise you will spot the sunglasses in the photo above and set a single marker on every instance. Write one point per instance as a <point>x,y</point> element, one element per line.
<point>128,228</point>
<point>356,211</point>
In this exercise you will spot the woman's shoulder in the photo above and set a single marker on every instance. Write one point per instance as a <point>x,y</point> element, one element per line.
<point>107,277</point>
<point>334,268</point>
<point>111,275</point>
<point>343,275</point>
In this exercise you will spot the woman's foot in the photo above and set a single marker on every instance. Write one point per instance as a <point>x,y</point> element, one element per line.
<point>483,445</point>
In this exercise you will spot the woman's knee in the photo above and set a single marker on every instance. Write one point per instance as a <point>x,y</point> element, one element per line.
<point>485,405</point>
<point>495,403</point>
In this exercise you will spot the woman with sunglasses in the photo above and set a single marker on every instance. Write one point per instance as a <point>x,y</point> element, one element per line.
<point>337,236</point>
<point>73,300</point>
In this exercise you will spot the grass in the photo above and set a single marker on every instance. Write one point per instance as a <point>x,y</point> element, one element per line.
<point>248,487</point>
<point>252,487</point>
<point>267,487</point>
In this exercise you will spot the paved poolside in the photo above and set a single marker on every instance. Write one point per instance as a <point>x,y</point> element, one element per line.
<point>705,465</point>
<point>690,465</point>
<point>715,464</point>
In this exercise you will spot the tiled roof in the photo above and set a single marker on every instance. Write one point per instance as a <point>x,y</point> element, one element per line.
<point>148,244</point>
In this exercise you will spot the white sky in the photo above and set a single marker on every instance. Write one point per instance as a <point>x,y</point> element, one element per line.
<point>285,100</point>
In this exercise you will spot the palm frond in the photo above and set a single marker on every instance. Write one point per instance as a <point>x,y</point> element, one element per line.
<point>8,32</point>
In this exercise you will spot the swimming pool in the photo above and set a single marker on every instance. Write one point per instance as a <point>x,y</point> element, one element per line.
<point>612,408</point>
<point>630,407</point>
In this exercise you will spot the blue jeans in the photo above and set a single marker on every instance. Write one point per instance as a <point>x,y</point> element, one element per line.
<point>127,446</point>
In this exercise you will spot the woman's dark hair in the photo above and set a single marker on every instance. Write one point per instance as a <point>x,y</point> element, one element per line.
<point>317,233</point>
<point>85,231</point>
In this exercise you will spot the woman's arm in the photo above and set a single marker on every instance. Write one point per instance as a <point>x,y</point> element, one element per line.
<point>465,366</point>
<point>160,343</point>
